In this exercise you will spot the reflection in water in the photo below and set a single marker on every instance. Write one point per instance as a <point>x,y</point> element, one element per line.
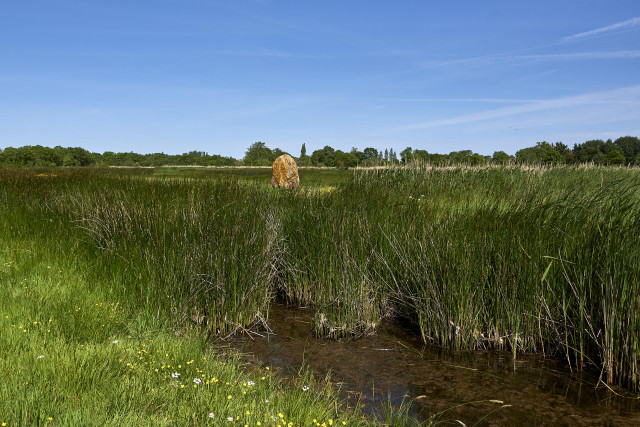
<point>392,364</point>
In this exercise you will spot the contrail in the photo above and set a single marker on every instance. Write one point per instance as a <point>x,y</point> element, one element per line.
<point>624,24</point>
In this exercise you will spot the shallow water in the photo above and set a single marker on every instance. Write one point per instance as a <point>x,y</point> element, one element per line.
<point>392,364</point>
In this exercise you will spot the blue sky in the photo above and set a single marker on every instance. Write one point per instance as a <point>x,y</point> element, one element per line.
<point>216,76</point>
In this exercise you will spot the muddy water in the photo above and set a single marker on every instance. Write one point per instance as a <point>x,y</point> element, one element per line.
<point>392,364</point>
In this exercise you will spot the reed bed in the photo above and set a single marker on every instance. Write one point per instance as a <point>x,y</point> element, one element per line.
<point>521,259</point>
<point>513,258</point>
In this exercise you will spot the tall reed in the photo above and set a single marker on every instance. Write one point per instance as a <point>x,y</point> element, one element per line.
<point>521,259</point>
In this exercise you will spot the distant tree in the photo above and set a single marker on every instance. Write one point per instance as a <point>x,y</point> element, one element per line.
<point>477,159</point>
<point>258,154</point>
<point>438,159</point>
<point>370,156</point>
<point>542,153</point>
<point>324,157</point>
<point>501,158</point>
<point>629,146</point>
<point>345,160</point>
<point>406,155</point>
<point>589,151</point>
<point>359,155</point>
<point>421,155</point>
<point>565,152</point>
<point>461,157</point>
<point>277,153</point>
<point>304,159</point>
<point>393,157</point>
<point>614,157</point>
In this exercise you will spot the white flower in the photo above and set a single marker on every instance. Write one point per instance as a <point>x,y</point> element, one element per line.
<point>175,375</point>
<point>40,357</point>
<point>114,342</point>
<point>211,415</point>
<point>250,383</point>
<point>305,388</point>
<point>229,418</point>
<point>266,401</point>
<point>197,380</point>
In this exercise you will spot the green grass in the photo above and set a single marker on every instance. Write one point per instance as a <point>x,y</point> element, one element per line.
<point>311,177</point>
<point>528,260</point>
<point>81,347</point>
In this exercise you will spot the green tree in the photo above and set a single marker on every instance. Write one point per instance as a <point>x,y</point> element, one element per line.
<point>588,151</point>
<point>565,152</point>
<point>393,157</point>
<point>614,157</point>
<point>543,153</point>
<point>304,159</point>
<point>501,158</point>
<point>461,157</point>
<point>358,154</point>
<point>258,154</point>
<point>345,160</point>
<point>324,157</point>
<point>406,155</point>
<point>630,147</point>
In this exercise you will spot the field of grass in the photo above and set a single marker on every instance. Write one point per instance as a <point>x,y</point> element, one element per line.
<point>81,340</point>
<point>525,259</point>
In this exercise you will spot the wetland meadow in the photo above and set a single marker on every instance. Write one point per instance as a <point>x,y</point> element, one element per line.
<point>125,292</point>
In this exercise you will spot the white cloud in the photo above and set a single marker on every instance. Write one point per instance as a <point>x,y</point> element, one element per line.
<point>621,54</point>
<point>608,105</point>
<point>613,27</point>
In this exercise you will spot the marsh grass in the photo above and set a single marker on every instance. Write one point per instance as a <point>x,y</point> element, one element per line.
<point>82,342</point>
<point>528,260</point>
<point>522,259</point>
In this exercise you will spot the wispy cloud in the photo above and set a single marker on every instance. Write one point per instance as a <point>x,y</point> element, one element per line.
<point>579,56</point>
<point>502,58</point>
<point>459,100</point>
<point>633,22</point>
<point>617,97</point>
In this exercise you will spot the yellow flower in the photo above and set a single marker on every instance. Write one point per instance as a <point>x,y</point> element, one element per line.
<point>50,419</point>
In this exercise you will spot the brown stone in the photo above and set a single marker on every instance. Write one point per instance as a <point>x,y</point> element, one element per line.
<point>285,173</point>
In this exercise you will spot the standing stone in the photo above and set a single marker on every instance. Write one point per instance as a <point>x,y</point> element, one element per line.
<point>285,173</point>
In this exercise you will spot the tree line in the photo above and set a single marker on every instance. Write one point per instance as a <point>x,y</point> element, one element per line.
<point>37,155</point>
<point>623,151</point>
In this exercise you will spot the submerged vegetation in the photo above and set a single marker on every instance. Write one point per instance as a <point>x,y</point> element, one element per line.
<point>524,259</point>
